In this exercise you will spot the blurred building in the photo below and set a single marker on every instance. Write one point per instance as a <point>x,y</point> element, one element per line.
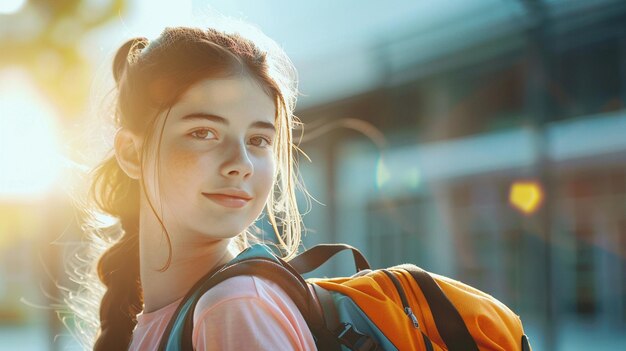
<point>525,91</point>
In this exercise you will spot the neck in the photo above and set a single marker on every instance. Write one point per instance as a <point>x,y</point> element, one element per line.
<point>191,259</point>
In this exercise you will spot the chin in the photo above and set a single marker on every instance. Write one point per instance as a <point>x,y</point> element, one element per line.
<point>224,231</point>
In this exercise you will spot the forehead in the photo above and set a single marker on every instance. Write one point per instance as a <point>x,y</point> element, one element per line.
<point>237,97</point>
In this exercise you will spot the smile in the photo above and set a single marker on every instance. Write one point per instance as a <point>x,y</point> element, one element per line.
<point>226,200</point>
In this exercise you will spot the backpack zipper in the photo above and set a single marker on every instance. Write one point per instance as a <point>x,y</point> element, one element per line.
<point>405,302</point>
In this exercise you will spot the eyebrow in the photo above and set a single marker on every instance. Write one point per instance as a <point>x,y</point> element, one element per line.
<point>224,121</point>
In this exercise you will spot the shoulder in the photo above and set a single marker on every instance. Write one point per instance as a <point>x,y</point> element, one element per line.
<point>235,290</point>
<point>249,312</point>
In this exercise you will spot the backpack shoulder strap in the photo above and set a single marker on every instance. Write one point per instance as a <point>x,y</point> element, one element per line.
<point>314,257</point>
<point>258,260</point>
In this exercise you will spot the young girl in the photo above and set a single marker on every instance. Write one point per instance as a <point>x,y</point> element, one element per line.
<point>203,146</point>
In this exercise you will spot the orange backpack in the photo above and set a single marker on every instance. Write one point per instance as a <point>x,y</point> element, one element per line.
<point>397,308</point>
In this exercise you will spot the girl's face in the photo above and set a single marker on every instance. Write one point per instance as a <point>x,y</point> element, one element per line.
<point>216,161</point>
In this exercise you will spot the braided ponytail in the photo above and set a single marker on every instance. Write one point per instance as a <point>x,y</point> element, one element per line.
<point>118,269</point>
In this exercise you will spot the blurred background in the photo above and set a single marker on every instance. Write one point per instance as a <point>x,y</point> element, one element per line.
<point>484,140</point>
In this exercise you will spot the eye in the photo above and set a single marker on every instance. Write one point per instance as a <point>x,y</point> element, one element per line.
<point>258,141</point>
<point>203,134</point>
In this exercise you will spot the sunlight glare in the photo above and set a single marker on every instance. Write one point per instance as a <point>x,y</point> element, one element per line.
<point>149,18</point>
<point>8,7</point>
<point>29,155</point>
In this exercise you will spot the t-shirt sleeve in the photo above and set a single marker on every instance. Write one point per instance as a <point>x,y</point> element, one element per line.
<point>264,319</point>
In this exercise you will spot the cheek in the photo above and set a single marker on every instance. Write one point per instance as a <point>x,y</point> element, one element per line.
<point>180,166</point>
<point>265,172</point>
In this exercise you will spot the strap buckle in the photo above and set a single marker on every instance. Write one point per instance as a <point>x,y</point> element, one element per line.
<point>349,336</point>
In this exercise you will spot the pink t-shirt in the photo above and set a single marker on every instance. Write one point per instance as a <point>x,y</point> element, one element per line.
<point>240,313</point>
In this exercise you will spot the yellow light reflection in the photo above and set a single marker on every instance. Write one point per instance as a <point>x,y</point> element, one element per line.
<point>526,196</point>
<point>29,155</point>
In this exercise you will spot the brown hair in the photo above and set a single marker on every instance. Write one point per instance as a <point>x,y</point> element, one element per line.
<point>150,77</point>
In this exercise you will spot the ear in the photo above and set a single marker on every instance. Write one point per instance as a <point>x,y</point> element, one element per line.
<point>128,152</point>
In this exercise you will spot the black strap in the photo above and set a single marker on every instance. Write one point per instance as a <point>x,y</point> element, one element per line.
<point>427,342</point>
<point>314,257</point>
<point>525,343</point>
<point>331,317</point>
<point>449,322</point>
<point>327,340</point>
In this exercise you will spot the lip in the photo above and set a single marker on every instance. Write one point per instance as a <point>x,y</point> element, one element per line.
<point>233,192</point>
<point>231,198</point>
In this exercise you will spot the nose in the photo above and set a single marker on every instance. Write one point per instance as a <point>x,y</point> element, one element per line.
<point>237,163</point>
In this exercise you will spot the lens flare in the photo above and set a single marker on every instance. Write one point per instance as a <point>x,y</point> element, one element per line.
<point>413,177</point>
<point>382,173</point>
<point>526,196</point>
